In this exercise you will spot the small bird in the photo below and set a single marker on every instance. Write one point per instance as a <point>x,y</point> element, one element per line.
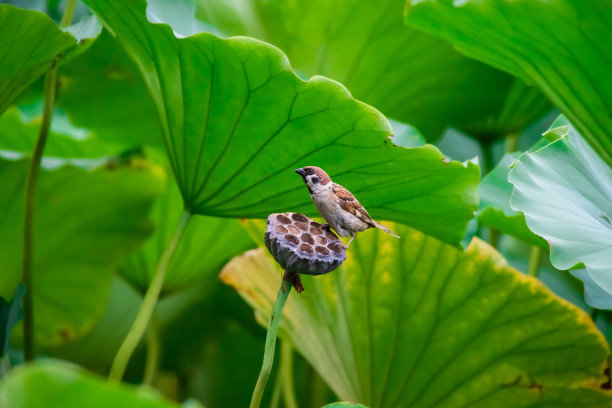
<point>337,205</point>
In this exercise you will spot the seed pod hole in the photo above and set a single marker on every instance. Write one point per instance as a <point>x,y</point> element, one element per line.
<point>331,236</point>
<point>322,250</point>
<point>299,217</point>
<point>281,229</point>
<point>307,238</point>
<point>316,231</point>
<point>321,240</point>
<point>283,219</point>
<point>293,230</point>
<point>301,226</point>
<point>306,248</point>
<point>292,238</point>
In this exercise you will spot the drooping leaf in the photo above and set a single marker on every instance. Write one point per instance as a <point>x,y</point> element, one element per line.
<point>237,120</point>
<point>58,384</point>
<point>32,44</point>
<point>417,323</point>
<point>410,76</point>
<point>565,193</point>
<point>561,46</point>
<point>85,223</point>
<point>207,245</point>
<point>494,209</point>
<point>344,404</point>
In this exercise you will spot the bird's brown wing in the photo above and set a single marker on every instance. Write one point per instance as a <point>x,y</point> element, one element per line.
<point>349,203</point>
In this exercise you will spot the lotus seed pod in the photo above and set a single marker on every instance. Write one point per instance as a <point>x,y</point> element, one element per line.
<point>302,245</point>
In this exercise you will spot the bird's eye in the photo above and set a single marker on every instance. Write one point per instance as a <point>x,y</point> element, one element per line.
<point>309,171</point>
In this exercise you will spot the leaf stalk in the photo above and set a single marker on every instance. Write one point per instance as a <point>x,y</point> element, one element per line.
<point>268,359</point>
<point>148,303</point>
<point>29,347</point>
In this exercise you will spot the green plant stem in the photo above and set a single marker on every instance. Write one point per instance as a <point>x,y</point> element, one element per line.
<point>512,141</point>
<point>487,157</point>
<point>30,198</point>
<point>287,375</point>
<point>266,367</point>
<point>534,261</point>
<point>276,391</point>
<point>148,303</point>
<point>153,353</point>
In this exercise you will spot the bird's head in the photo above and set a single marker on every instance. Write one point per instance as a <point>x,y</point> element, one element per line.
<point>314,177</point>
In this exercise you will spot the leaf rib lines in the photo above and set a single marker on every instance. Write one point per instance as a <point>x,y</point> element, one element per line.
<point>192,196</point>
<point>398,317</point>
<point>229,139</point>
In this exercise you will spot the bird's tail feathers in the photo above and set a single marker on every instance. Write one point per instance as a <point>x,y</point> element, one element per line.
<point>387,230</point>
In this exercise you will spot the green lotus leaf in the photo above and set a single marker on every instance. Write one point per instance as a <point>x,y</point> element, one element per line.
<point>565,193</point>
<point>417,323</point>
<point>32,44</point>
<point>344,404</point>
<point>62,385</point>
<point>410,76</point>
<point>494,210</point>
<point>237,121</point>
<point>560,46</point>
<point>207,245</point>
<point>86,222</point>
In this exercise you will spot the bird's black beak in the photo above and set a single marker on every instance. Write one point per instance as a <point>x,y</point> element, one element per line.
<point>301,172</point>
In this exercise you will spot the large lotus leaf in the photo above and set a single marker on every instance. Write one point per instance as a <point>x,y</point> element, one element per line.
<point>417,323</point>
<point>61,385</point>
<point>494,210</point>
<point>85,223</point>
<point>207,244</point>
<point>565,193</point>
<point>410,76</point>
<point>562,46</point>
<point>237,120</point>
<point>344,404</point>
<point>31,45</point>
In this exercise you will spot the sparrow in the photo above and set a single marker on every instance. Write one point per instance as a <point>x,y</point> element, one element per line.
<point>337,205</point>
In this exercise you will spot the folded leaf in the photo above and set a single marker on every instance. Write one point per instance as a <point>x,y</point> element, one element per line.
<point>85,223</point>
<point>31,45</point>
<point>237,120</point>
<point>561,46</point>
<point>417,323</point>
<point>565,193</point>
<point>494,209</point>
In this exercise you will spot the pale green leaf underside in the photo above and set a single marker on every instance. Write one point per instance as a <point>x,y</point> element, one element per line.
<point>237,121</point>
<point>416,323</point>
<point>561,46</point>
<point>494,209</point>
<point>86,222</point>
<point>31,45</point>
<point>61,385</point>
<point>410,76</point>
<point>564,190</point>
